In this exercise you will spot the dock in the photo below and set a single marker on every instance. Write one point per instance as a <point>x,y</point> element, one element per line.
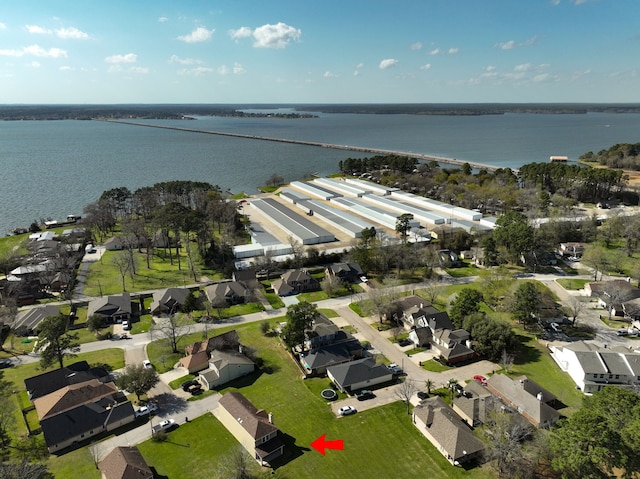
<point>375,151</point>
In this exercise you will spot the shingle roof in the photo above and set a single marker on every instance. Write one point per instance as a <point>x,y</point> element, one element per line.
<point>170,298</point>
<point>357,371</point>
<point>254,421</point>
<point>72,396</point>
<point>110,305</point>
<point>221,359</point>
<point>32,317</point>
<point>125,463</point>
<point>75,373</point>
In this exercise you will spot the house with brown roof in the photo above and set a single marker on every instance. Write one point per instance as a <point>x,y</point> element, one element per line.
<point>29,319</point>
<point>294,282</point>
<point>197,354</point>
<point>78,372</point>
<point>449,434</point>
<point>231,292</point>
<point>125,463</point>
<point>531,400</point>
<point>72,396</point>
<point>252,427</point>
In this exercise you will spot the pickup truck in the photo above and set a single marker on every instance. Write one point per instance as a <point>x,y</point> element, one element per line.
<point>163,425</point>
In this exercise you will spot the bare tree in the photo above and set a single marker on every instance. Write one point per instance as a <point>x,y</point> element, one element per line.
<point>431,290</point>
<point>505,435</point>
<point>173,329</point>
<point>330,283</point>
<point>405,391</point>
<point>506,360</point>
<point>576,307</point>
<point>122,263</point>
<point>238,464</point>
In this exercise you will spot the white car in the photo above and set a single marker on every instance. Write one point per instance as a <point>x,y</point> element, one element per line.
<point>347,410</point>
<point>146,410</point>
<point>147,364</point>
<point>395,369</point>
<point>164,425</point>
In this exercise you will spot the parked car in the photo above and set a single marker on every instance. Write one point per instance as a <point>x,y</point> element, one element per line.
<point>164,425</point>
<point>195,389</point>
<point>405,342</point>
<point>422,395</point>
<point>5,363</point>
<point>365,394</point>
<point>395,369</point>
<point>146,410</point>
<point>347,410</point>
<point>622,332</point>
<point>480,379</point>
<point>125,336</point>
<point>147,364</point>
<point>187,384</point>
<point>126,325</point>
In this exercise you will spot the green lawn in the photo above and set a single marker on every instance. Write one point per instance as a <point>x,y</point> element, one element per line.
<point>570,283</point>
<point>302,415</point>
<point>434,366</point>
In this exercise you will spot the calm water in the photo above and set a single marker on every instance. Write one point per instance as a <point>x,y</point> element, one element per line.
<point>53,168</point>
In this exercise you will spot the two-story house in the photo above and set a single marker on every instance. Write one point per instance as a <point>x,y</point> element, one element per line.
<point>252,427</point>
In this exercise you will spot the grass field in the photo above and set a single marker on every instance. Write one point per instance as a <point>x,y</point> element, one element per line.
<point>379,443</point>
<point>573,284</point>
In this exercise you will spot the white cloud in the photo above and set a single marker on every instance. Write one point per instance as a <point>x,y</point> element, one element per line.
<point>242,32</point>
<point>329,74</point>
<point>184,61</point>
<point>38,51</point>
<point>141,70</point>
<point>126,58</point>
<point>435,51</point>
<point>275,36</point>
<point>490,68</point>
<point>11,53</point>
<point>37,29</point>
<point>452,51</point>
<point>387,63</point>
<point>238,69</point>
<point>511,44</point>
<point>542,77</point>
<point>35,64</point>
<point>426,67</point>
<point>72,33</point>
<point>416,46</point>
<point>523,67</point>
<point>2,26</point>
<point>66,68</point>
<point>269,36</point>
<point>197,71</point>
<point>200,34</point>
<point>223,70</point>
<point>163,19</point>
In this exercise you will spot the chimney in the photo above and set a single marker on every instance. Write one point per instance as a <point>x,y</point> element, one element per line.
<point>271,417</point>
<point>240,348</point>
<point>539,396</point>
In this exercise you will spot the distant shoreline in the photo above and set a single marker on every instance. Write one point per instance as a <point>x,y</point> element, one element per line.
<point>298,111</point>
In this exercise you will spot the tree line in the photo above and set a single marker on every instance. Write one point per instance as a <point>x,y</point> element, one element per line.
<point>622,155</point>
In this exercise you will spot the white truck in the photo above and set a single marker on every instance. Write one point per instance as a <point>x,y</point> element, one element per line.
<point>163,426</point>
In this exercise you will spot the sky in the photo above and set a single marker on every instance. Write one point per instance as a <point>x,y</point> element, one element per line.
<point>319,51</point>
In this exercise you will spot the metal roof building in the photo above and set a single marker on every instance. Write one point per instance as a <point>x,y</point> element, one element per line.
<point>345,222</point>
<point>378,215</point>
<point>374,187</point>
<point>342,187</point>
<point>438,206</point>
<point>401,207</point>
<point>295,225</point>
<point>314,190</point>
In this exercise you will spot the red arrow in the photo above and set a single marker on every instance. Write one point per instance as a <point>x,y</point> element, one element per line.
<point>321,444</point>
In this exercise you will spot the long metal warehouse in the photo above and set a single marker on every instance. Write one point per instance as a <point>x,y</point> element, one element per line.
<point>444,208</point>
<point>342,187</point>
<point>314,190</point>
<point>374,187</point>
<point>401,207</point>
<point>345,222</point>
<point>301,229</point>
<point>378,215</point>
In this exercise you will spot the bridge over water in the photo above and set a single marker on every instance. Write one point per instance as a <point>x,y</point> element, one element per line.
<point>375,151</point>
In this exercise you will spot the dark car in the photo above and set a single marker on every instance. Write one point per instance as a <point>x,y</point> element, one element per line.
<point>422,395</point>
<point>405,342</point>
<point>5,363</point>
<point>187,384</point>
<point>365,394</point>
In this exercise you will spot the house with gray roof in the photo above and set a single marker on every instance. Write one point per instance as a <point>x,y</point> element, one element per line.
<point>167,301</point>
<point>317,360</point>
<point>29,319</point>
<point>295,281</point>
<point>231,292</point>
<point>111,308</point>
<point>252,427</point>
<point>359,374</point>
<point>593,367</point>
<point>225,366</point>
<point>531,400</point>
<point>449,434</point>
<point>79,372</point>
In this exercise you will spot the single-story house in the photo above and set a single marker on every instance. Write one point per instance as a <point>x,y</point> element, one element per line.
<point>612,295</point>
<point>448,433</point>
<point>125,463</point>
<point>359,374</point>
<point>84,422</point>
<point>252,427</point>
<point>29,319</point>
<point>531,400</point>
<point>195,362</point>
<point>592,367</point>
<point>111,308</point>
<point>225,366</point>
<point>79,372</point>
<point>317,360</point>
<point>168,300</point>
<point>197,354</point>
<point>474,405</point>
<point>118,243</point>
<point>74,395</point>
<point>571,249</point>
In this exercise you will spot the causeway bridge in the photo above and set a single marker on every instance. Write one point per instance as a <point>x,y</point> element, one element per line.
<point>362,149</point>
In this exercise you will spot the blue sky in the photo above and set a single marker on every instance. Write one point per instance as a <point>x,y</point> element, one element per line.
<point>320,51</point>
